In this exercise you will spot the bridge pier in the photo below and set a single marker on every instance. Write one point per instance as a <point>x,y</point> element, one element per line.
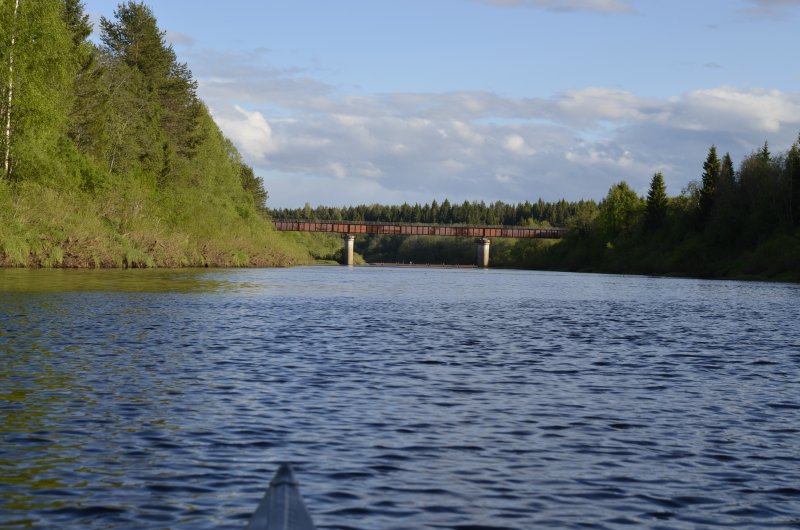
<point>482,246</point>
<point>347,254</point>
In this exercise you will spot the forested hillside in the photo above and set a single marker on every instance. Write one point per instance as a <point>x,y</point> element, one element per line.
<point>109,158</point>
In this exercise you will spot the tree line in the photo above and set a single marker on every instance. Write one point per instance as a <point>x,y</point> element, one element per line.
<point>730,222</point>
<point>467,213</point>
<point>728,207</point>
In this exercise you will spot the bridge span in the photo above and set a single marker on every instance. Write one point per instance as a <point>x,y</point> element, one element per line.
<point>349,229</point>
<point>416,229</point>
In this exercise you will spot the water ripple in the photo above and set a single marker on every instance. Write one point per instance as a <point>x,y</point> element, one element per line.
<point>408,398</point>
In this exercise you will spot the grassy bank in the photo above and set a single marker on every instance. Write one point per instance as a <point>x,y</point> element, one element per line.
<point>132,226</point>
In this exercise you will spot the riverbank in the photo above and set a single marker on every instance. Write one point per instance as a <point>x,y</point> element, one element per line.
<point>776,258</point>
<point>135,227</point>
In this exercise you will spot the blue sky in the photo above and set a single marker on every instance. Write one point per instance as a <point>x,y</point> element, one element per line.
<point>359,101</point>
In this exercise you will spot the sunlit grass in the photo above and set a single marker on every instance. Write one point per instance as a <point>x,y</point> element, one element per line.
<point>132,226</point>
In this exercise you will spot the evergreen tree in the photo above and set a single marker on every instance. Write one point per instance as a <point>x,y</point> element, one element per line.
<point>181,109</point>
<point>709,180</point>
<point>585,214</point>
<point>136,38</point>
<point>116,119</point>
<point>656,202</point>
<point>417,215</point>
<point>77,21</point>
<point>724,223</point>
<point>445,213</point>
<point>761,196</point>
<point>726,174</point>
<point>764,153</point>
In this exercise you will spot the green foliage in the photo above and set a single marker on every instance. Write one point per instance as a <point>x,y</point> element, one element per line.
<point>135,38</point>
<point>77,21</point>
<point>750,230</point>
<point>251,184</point>
<point>620,211</point>
<point>155,83</point>
<point>116,163</point>
<point>36,78</point>
<point>582,221</point>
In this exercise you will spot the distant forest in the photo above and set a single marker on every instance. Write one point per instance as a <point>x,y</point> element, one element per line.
<point>730,222</point>
<point>471,213</point>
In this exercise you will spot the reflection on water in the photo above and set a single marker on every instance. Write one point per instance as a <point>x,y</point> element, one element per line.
<point>114,280</point>
<point>407,398</point>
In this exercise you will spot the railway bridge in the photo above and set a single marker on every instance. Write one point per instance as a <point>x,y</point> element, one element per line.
<point>482,234</point>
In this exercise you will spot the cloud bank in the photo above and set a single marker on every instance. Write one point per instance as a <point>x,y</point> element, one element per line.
<point>313,143</point>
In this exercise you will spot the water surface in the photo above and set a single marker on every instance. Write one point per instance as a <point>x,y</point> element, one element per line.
<point>406,398</point>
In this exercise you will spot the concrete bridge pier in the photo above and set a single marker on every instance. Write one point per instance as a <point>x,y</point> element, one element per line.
<point>347,254</point>
<point>482,246</point>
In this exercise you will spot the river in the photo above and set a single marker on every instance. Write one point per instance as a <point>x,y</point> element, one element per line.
<point>405,398</point>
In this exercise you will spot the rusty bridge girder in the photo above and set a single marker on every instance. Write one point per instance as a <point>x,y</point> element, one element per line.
<point>417,229</point>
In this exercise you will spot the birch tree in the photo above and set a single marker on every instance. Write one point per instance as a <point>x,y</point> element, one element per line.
<point>37,76</point>
<point>9,91</point>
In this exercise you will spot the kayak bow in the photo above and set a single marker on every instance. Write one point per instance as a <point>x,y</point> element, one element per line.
<point>282,507</point>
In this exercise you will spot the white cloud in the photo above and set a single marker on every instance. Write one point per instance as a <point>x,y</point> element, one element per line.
<point>517,145</point>
<point>307,139</point>
<point>733,109</point>
<point>595,104</point>
<point>250,131</point>
<point>467,133</point>
<point>338,170</point>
